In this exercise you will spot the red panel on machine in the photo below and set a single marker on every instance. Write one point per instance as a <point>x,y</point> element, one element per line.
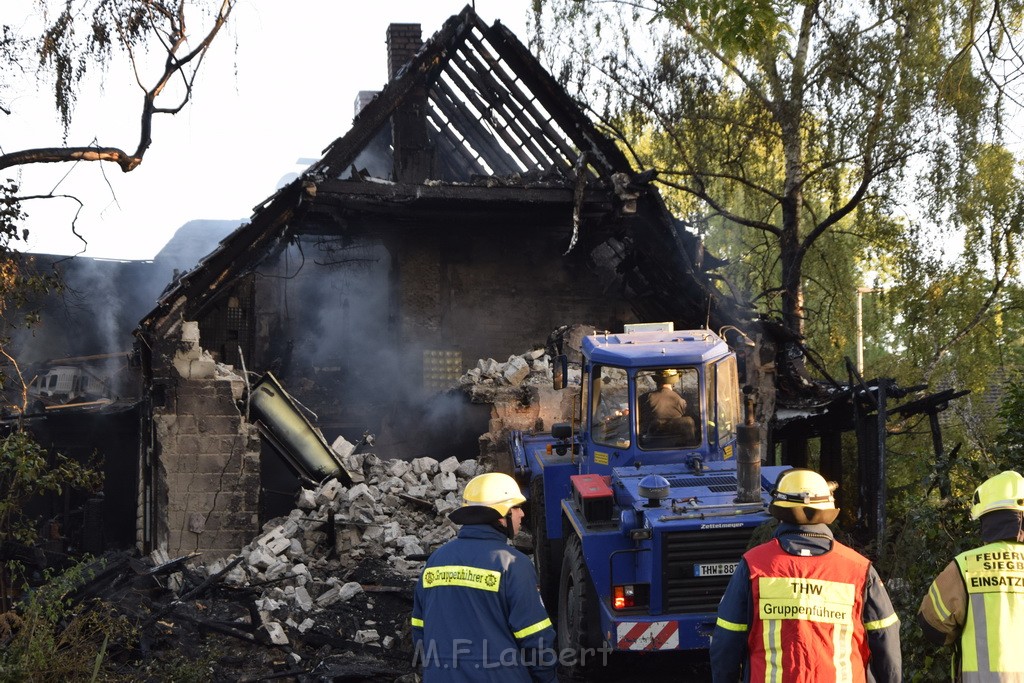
<point>593,496</point>
<point>591,485</point>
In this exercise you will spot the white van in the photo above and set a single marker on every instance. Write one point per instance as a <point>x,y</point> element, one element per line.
<point>60,384</point>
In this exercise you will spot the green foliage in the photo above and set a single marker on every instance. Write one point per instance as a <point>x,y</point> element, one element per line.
<point>958,322</point>
<point>50,637</point>
<point>28,470</point>
<point>47,637</point>
<point>929,529</point>
<point>928,538</point>
<point>929,523</point>
<point>792,121</point>
<point>734,28</point>
<point>182,667</point>
<point>78,36</point>
<point>1010,443</point>
<point>21,284</point>
<point>17,283</point>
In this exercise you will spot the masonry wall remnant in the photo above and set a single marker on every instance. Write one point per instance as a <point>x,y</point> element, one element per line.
<point>208,456</point>
<point>471,208</point>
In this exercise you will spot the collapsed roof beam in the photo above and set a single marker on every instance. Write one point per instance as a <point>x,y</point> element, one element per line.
<point>500,101</point>
<point>531,115</point>
<point>495,157</point>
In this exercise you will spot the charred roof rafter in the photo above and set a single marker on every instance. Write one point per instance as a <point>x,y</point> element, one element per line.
<point>482,82</point>
<point>521,164</point>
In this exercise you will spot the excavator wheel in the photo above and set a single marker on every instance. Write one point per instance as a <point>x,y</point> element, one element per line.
<point>544,549</point>
<point>579,634</point>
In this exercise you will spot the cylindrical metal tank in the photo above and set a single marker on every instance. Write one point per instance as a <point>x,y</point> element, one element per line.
<point>291,433</point>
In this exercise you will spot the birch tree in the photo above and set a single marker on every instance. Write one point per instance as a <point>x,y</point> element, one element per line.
<point>154,36</point>
<point>784,121</point>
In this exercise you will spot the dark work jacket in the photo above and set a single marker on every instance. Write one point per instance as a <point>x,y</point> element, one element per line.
<point>477,614</point>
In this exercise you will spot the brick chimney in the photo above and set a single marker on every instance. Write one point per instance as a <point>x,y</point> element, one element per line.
<point>413,152</point>
<point>404,40</point>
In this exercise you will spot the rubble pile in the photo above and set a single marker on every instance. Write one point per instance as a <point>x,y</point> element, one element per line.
<point>338,571</point>
<point>521,394</point>
<point>393,510</point>
<point>530,368</point>
<point>492,381</point>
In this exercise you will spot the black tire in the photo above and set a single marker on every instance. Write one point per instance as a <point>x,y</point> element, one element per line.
<point>579,633</point>
<point>544,557</point>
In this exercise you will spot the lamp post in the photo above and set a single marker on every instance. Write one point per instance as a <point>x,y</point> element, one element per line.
<point>861,291</point>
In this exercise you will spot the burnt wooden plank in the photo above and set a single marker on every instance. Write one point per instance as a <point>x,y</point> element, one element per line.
<point>361,216</point>
<point>454,162</point>
<point>237,253</point>
<point>192,594</point>
<point>541,132</point>
<point>455,147</point>
<point>563,109</point>
<point>495,94</point>
<point>526,98</point>
<point>501,128</point>
<point>474,138</point>
<point>331,190</point>
<point>471,129</point>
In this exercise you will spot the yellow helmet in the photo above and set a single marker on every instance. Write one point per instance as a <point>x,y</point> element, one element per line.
<point>1005,491</point>
<point>666,376</point>
<point>802,496</point>
<point>487,498</point>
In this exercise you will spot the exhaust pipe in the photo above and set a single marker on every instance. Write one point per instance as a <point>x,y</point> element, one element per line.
<point>748,457</point>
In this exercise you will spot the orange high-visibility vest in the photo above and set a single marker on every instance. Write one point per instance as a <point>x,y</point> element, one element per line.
<point>807,622</point>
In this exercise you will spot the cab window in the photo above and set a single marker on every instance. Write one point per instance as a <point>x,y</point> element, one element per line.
<point>668,408</point>
<point>726,388</point>
<point>610,407</point>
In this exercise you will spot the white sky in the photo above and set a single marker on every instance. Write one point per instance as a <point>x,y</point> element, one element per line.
<point>277,87</point>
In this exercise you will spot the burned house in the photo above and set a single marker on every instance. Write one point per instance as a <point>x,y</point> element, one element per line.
<point>73,380</point>
<point>471,209</point>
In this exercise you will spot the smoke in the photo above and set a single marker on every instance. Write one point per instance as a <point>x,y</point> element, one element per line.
<point>101,304</point>
<point>338,347</point>
<point>376,159</point>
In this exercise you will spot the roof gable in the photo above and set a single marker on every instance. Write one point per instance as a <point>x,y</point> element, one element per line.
<point>487,107</point>
<point>484,103</point>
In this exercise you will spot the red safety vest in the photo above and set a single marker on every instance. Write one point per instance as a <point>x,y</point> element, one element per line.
<point>807,623</point>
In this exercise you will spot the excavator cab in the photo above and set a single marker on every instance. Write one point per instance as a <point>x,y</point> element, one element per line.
<point>661,414</point>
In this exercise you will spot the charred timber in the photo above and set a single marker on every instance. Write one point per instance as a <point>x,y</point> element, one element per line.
<point>440,197</point>
<point>544,131</point>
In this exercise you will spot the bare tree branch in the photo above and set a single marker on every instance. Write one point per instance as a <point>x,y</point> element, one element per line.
<point>174,66</point>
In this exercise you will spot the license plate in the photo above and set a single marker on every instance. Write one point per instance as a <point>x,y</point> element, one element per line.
<point>716,569</point>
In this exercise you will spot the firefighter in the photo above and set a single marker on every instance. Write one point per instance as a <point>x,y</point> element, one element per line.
<point>477,614</point>
<point>803,606</point>
<point>976,604</point>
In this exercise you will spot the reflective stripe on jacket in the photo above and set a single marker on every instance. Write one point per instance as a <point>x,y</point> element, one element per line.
<point>807,615</point>
<point>990,649</point>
